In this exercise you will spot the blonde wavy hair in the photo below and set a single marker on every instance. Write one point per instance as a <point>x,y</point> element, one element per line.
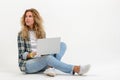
<point>37,26</point>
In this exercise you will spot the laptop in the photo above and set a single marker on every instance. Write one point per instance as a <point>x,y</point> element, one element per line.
<point>48,46</point>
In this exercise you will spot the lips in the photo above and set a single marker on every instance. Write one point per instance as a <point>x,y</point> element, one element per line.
<point>27,21</point>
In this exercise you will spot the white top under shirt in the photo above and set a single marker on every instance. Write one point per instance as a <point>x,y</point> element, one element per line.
<point>33,41</point>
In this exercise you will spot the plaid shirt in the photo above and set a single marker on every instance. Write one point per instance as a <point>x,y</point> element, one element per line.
<point>23,47</point>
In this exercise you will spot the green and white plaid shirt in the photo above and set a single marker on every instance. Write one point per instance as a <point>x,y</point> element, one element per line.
<point>23,47</point>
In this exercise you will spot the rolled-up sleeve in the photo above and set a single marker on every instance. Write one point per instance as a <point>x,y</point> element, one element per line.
<point>25,55</point>
<point>21,48</point>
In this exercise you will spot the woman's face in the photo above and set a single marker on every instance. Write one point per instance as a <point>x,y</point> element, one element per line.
<point>29,19</point>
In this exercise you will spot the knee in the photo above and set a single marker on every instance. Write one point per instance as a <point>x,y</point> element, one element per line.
<point>48,57</point>
<point>63,45</point>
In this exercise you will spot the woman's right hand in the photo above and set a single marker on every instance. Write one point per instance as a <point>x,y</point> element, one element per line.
<point>31,55</point>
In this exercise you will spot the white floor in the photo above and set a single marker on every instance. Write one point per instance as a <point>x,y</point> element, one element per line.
<point>97,72</point>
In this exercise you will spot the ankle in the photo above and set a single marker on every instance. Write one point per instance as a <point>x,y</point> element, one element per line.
<point>76,69</point>
<point>49,67</point>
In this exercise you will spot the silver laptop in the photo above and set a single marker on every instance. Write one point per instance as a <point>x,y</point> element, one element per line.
<point>48,46</point>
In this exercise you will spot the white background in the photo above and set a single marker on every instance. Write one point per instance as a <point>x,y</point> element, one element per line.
<point>90,28</point>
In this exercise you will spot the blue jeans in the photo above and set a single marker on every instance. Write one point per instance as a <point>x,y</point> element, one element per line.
<point>38,64</point>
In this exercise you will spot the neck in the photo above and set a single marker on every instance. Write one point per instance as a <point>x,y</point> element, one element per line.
<point>30,27</point>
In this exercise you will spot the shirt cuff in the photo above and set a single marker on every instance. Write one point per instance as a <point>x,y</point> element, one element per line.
<point>25,55</point>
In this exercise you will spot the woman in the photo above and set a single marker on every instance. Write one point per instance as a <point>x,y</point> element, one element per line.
<point>32,29</point>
